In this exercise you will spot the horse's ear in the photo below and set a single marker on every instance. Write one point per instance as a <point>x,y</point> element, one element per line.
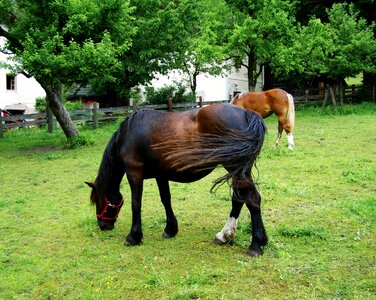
<point>91,184</point>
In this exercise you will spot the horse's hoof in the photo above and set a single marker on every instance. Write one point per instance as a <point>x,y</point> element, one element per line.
<point>254,253</point>
<point>166,235</point>
<point>219,242</point>
<point>130,241</point>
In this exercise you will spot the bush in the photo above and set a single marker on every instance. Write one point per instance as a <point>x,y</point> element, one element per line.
<point>40,104</point>
<point>177,91</point>
<point>73,105</point>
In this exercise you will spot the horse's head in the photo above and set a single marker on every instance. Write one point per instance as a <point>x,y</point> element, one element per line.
<point>106,211</point>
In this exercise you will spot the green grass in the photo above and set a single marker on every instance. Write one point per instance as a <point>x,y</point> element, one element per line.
<point>319,209</point>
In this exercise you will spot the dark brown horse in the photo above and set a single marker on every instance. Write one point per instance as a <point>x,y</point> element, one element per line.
<point>266,103</point>
<point>183,147</point>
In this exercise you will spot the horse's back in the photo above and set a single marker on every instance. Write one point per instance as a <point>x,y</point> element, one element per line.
<point>148,137</point>
<point>264,103</point>
<point>214,118</point>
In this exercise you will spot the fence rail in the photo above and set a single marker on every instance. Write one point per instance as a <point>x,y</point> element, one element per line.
<point>93,115</point>
<point>96,114</point>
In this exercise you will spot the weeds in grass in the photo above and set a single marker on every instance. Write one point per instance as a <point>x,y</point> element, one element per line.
<point>303,231</point>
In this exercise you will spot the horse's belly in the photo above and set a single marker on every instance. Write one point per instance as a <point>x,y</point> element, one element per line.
<point>177,176</point>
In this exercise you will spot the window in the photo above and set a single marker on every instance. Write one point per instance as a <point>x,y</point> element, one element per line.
<point>11,82</point>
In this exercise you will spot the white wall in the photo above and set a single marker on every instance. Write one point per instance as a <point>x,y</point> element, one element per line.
<point>26,91</point>
<point>210,88</point>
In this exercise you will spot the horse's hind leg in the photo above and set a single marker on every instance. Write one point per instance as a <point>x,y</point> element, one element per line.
<point>228,232</point>
<point>135,181</point>
<point>259,237</point>
<point>283,123</point>
<point>245,192</point>
<point>280,129</point>
<point>171,223</point>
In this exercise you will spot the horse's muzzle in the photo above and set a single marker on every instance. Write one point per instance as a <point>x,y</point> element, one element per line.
<point>106,225</point>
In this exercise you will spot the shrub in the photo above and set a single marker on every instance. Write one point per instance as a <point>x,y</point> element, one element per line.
<point>73,105</point>
<point>177,91</point>
<point>40,104</point>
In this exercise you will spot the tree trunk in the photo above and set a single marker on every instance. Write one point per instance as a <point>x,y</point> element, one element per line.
<point>332,95</point>
<point>54,101</point>
<point>251,71</point>
<point>341,92</point>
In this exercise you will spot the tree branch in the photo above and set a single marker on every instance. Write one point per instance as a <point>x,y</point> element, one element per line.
<point>13,41</point>
<point>27,75</point>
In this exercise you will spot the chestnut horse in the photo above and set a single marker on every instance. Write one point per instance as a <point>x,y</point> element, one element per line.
<point>266,103</point>
<point>182,147</point>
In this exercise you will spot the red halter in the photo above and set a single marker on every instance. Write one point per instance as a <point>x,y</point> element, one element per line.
<point>110,206</point>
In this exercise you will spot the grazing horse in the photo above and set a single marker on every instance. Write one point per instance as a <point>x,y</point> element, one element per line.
<point>266,103</point>
<point>182,147</point>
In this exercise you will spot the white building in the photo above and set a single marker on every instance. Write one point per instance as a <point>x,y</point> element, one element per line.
<point>212,88</point>
<point>17,89</point>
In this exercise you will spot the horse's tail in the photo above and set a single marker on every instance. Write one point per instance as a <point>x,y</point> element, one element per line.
<point>236,150</point>
<point>291,111</point>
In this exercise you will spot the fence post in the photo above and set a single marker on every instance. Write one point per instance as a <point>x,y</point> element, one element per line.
<point>200,101</point>
<point>169,104</point>
<point>134,105</point>
<point>1,125</point>
<point>95,115</point>
<point>50,121</point>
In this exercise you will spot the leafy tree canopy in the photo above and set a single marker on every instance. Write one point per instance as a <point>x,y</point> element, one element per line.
<point>344,46</point>
<point>262,27</point>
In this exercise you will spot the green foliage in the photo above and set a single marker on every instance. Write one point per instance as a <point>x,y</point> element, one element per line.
<point>73,105</point>
<point>263,30</point>
<point>178,93</point>
<point>79,141</point>
<point>40,104</point>
<point>207,28</point>
<point>341,47</point>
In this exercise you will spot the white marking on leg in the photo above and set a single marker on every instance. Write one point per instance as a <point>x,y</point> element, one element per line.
<point>228,232</point>
<point>290,140</point>
<point>278,139</point>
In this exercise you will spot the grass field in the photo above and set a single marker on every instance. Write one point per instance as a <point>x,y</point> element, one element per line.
<point>319,210</point>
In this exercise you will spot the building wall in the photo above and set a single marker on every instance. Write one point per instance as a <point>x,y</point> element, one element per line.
<point>26,89</point>
<point>212,88</point>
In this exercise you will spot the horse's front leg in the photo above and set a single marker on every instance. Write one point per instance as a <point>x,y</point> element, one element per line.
<point>136,183</point>
<point>171,223</point>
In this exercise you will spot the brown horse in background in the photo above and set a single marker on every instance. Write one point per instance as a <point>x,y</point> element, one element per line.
<point>266,103</point>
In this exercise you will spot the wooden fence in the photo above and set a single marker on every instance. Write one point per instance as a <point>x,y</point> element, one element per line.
<point>350,94</point>
<point>93,115</point>
<point>96,114</point>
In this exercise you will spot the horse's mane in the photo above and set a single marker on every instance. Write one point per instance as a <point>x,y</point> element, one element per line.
<point>106,169</point>
<point>237,96</point>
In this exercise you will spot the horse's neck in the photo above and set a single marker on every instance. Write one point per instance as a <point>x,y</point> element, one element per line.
<point>108,182</point>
